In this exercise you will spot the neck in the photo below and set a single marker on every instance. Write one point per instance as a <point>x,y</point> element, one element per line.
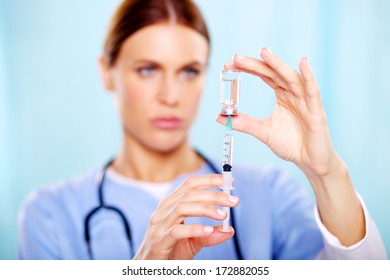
<point>141,163</point>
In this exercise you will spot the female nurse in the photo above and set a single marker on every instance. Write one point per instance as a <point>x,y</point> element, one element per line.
<point>157,199</point>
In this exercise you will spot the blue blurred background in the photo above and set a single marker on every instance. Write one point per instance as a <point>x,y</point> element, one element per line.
<point>56,120</point>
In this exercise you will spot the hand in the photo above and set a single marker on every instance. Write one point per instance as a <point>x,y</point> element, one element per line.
<point>297,130</point>
<point>168,237</point>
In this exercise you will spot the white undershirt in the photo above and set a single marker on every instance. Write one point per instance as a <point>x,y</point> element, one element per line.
<point>158,190</point>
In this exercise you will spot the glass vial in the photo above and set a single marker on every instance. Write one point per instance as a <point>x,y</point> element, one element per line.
<point>230,92</point>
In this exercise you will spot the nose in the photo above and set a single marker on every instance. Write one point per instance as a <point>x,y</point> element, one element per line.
<point>169,92</point>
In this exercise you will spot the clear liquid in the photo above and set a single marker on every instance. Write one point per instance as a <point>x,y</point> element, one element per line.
<point>229,92</point>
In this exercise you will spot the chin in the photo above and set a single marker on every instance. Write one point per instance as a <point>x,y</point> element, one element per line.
<point>165,144</point>
<point>163,149</point>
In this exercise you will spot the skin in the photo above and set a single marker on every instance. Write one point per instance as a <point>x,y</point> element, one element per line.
<point>150,79</point>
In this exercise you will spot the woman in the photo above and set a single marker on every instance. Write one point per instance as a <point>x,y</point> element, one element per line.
<point>157,198</point>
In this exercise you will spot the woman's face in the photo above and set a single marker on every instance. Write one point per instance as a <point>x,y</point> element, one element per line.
<point>158,80</point>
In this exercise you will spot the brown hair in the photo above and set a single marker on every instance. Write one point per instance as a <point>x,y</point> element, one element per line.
<point>133,15</point>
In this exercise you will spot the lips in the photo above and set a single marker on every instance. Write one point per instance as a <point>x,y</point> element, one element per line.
<point>170,122</point>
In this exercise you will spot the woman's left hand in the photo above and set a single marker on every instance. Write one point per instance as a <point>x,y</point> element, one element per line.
<point>297,130</point>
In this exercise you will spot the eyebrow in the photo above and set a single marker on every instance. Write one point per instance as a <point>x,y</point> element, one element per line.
<point>193,63</point>
<point>190,63</point>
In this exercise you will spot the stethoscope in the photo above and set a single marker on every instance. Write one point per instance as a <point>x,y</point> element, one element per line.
<point>126,224</point>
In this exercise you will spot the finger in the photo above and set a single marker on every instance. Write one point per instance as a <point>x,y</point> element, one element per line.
<point>183,210</point>
<point>258,68</point>
<point>290,76</point>
<point>313,98</point>
<point>205,197</point>
<point>215,238</point>
<point>182,231</point>
<point>232,67</point>
<point>193,183</point>
<point>229,66</point>
<point>211,197</point>
<point>269,82</point>
<point>249,125</point>
<point>201,182</point>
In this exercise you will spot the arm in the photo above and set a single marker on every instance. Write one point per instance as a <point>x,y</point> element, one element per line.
<point>297,131</point>
<point>37,235</point>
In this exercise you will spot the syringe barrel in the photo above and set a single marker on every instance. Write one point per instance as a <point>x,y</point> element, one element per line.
<point>227,180</point>
<point>227,149</point>
<point>226,222</point>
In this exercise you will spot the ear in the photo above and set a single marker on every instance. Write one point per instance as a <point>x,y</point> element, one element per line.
<point>106,73</point>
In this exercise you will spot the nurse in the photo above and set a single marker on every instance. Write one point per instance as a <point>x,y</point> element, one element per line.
<point>159,194</point>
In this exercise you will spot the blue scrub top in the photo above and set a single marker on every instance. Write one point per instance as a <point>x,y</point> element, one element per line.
<point>274,220</point>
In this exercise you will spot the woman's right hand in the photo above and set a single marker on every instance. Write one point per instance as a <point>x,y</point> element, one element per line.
<point>168,237</point>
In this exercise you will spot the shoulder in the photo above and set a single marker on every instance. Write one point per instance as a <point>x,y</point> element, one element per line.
<point>58,194</point>
<point>50,216</point>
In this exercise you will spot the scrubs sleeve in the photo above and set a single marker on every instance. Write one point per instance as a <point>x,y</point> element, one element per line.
<point>370,247</point>
<point>37,233</point>
<point>295,232</point>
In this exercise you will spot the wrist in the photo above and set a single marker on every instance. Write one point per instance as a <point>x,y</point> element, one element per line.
<point>338,172</point>
<point>338,205</point>
<point>327,172</point>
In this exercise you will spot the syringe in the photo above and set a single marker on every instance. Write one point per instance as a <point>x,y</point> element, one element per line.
<point>227,178</point>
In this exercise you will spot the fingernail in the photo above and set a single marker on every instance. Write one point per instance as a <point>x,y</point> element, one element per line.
<point>306,60</point>
<point>268,50</point>
<point>208,229</point>
<point>240,57</point>
<point>229,230</point>
<point>233,199</point>
<point>227,64</point>
<point>221,213</point>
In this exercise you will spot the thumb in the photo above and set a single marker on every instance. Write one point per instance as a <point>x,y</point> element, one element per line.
<point>247,124</point>
<point>215,238</point>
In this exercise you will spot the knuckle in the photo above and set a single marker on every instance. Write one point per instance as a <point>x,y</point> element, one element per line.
<point>205,208</point>
<point>190,182</point>
<point>245,124</point>
<point>179,208</point>
<point>154,219</point>
<point>252,65</point>
<point>161,204</point>
<point>216,178</point>
<point>278,66</point>
<point>278,80</point>
<point>194,230</point>
<point>174,231</point>
<point>220,196</point>
<point>188,195</point>
<point>154,233</point>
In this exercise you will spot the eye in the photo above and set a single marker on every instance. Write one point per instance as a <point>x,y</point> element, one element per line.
<point>190,72</point>
<point>146,71</point>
